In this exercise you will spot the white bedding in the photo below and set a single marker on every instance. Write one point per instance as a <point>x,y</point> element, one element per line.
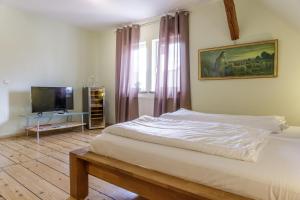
<point>228,140</point>
<point>275,176</point>
<point>291,132</point>
<point>275,124</point>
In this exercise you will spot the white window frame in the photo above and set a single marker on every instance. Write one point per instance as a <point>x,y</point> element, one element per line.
<point>151,49</point>
<point>154,63</point>
<point>143,43</point>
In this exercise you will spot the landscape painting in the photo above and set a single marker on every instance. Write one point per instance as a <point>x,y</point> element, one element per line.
<point>255,60</point>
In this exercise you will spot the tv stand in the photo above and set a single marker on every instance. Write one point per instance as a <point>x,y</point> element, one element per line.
<point>40,126</point>
<point>63,112</point>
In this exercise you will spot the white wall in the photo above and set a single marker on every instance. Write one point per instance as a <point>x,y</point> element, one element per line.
<point>208,28</point>
<point>36,51</point>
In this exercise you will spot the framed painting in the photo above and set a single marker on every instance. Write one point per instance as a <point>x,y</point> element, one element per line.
<point>252,60</point>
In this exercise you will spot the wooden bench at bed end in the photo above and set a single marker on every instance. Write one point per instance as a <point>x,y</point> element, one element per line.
<point>144,182</point>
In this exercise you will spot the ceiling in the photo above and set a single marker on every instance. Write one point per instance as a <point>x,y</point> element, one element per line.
<point>101,13</point>
<point>288,9</point>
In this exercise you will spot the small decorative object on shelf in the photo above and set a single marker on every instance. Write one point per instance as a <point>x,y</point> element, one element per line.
<point>93,103</point>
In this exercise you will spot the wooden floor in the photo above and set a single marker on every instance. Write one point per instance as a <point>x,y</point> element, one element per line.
<point>41,171</point>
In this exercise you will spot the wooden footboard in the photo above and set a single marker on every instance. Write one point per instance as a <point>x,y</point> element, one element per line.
<point>147,183</point>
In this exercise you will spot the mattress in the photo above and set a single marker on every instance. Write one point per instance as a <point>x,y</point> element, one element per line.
<point>275,176</point>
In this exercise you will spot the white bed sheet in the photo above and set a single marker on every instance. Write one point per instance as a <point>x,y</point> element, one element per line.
<point>291,132</point>
<point>227,140</point>
<point>275,176</point>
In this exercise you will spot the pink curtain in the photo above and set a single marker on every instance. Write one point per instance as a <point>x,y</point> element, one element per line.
<point>127,46</point>
<point>173,71</point>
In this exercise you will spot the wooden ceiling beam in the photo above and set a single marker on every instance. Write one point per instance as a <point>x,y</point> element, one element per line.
<point>232,19</point>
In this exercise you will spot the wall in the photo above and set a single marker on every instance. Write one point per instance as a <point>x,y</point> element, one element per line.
<point>36,51</point>
<point>208,28</point>
<point>253,96</point>
<point>104,48</point>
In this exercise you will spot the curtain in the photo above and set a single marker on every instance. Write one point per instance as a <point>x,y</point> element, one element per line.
<point>172,89</point>
<point>127,47</point>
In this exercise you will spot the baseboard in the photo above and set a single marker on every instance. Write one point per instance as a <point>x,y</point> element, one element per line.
<point>13,135</point>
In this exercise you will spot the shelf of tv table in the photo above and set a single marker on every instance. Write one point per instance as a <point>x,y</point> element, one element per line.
<point>38,127</point>
<point>55,126</point>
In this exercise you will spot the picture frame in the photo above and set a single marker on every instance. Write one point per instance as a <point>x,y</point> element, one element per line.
<point>242,61</point>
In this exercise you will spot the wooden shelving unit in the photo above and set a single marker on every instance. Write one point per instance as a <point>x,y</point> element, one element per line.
<point>93,103</point>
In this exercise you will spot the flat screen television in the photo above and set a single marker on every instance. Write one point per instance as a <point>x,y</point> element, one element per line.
<point>47,99</point>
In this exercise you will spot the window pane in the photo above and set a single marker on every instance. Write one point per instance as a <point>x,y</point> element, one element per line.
<point>142,67</point>
<point>154,64</point>
<point>173,60</point>
<point>173,67</point>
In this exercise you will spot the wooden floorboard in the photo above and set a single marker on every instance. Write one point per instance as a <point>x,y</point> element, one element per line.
<point>10,189</point>
<point>5,161</point>
<point>71,140</point>
<point>45,150</point>
<point>36,184</point>
<point>13,155</point>
<point>55,164</point>
<point>29,170</point>
<point>54,146</point>
<point>56,178</point>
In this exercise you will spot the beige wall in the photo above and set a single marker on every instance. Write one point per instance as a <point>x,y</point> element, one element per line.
<point>208,28</point>
<point>104,68</point>
<point>254,96</point>
<point>37,51</point>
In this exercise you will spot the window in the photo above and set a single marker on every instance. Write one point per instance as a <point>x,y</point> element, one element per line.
<point>154,63</point>
<point>146,62</point>
<point>173,66</point>
<point>142,67</point>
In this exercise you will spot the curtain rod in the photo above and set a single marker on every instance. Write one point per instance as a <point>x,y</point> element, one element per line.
<point>145,23</point>
<point>153,19</point>
<point>157,19</point>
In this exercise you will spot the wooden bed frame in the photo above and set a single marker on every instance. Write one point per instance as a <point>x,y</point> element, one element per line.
<point>144,182</point>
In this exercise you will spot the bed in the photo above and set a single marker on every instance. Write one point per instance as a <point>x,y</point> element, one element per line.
<point>148,169</point>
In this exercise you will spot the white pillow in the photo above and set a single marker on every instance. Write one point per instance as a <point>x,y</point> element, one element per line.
<point>275,124</point>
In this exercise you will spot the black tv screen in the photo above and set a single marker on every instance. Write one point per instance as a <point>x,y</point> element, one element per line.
<point>46,99</point>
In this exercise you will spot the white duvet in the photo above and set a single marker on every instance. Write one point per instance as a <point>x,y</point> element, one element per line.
<point>275,176</point>
<point>275,124</point>
<point>227,140</point>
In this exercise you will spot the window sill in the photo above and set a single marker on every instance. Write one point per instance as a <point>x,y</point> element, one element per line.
<point>146,95</point>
